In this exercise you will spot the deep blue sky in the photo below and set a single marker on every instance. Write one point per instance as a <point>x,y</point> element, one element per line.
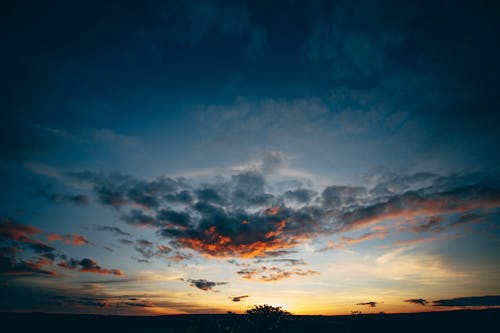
<point>372,122</point>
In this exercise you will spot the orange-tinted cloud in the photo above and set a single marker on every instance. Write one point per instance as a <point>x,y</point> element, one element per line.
<point>376,232</point>
<point>72,239</point>
<point>9,266</point>
<point>17,232</point>
<point>410,205</point>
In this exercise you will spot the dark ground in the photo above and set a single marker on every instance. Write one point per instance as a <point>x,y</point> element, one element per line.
<point>451,321</point>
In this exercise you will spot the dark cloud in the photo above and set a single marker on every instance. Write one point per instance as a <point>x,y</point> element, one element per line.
<point>172,217</point>
<point>211,195</point>
<point>21,236</point>
<point>205,284</point>
<point>469,301</point>
<point>237,217</point>
<point>183,196</point>
<point>426,201</point>
<point>370,304</point>
<point>115,230</point>
<point>125,241</point>
<point>11,267</point>
<point>150,250</point>
<point>89,266</point>
<point>59,198</point>
<point>145,248</point>
<point>21,297</point>
<point>117,190</point>
<point>300,195</point>
<point>138,218</point>
<point>339,196</point>
<point>249,190</point>
<point>137,304</point>
<point>238,298</point>
<point>420,301</point>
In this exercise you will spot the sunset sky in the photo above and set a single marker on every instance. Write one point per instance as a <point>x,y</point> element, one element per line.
<point>167,157</point>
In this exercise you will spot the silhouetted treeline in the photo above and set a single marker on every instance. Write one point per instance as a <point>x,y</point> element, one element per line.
<point>452,321</point>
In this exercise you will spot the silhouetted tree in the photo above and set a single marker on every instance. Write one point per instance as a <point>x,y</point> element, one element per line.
<point>268,310</point>
<point>267,318</point>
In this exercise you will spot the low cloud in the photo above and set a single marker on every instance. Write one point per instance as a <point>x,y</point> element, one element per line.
<point>420,301</point>
<point>469,301</point>
<point>369,304</point>
<point>238,298</point>
<point>205,284</point>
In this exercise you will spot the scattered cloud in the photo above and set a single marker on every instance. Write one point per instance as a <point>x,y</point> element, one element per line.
<point>274,273</point>
<point>60,198</point>
<point>113,229</point>
<point>205,285</point>
<point>87,265</point>
<point>420,301</point>
<point>72,239</point>
<point>238,298</point>
<point>369,304</point>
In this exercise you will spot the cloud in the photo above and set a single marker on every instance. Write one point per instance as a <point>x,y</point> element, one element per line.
<point>115,230</point>
<point>116,189</point>
<point>421,203</point>
<point>300,195</point>
<point>420,301</point>
<point>138,218</point>
<point>59,198</point>
<point>179,256</point>
<point>238,298</point>
<point>181,219</point>
<point>286,261</point>
<point>125,241</point>
<point>72,239</point>
<point>271,274</point>
<point>87,265</point>
<point>21,297</point>
<point>469,301</point>
<point>149,250</point>
<point>11,267</point>
<point>369,304</point>
<point>205,284</point>
<point>239,216</point>
<point>138,304</point>
<point>340,196</point>
<point>375,232</point>
<point>16,239</point>
<point>21,236</point>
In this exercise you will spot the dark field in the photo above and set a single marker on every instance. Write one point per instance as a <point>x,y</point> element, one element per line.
<point>452,321</point>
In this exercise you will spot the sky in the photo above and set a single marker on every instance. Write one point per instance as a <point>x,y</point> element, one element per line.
<point>179,157</point>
